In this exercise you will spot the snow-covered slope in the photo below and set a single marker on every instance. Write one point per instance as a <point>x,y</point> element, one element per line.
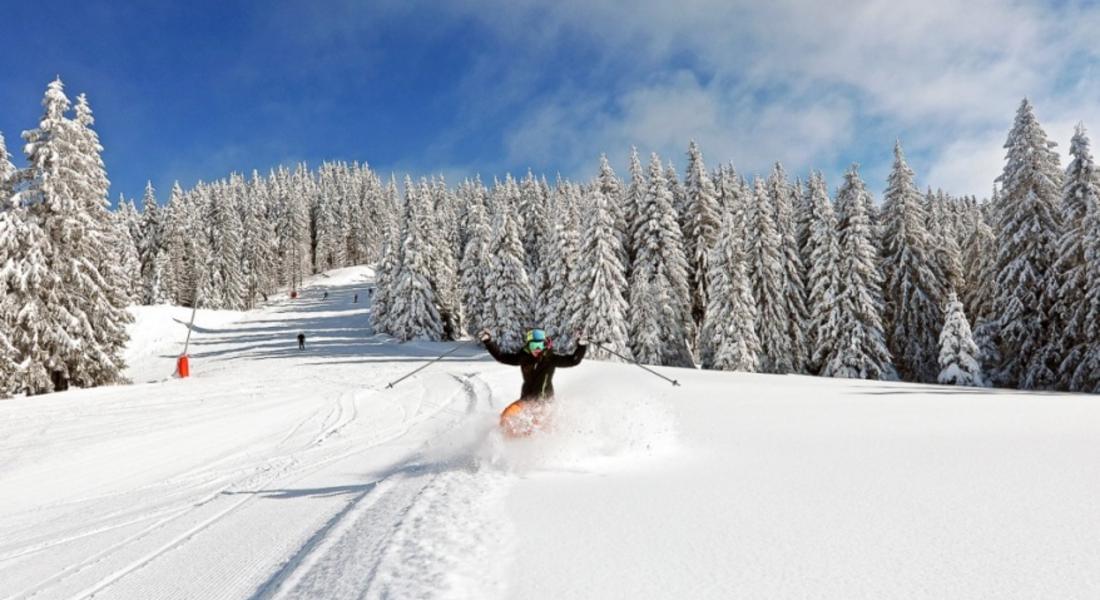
<point>275,473</point>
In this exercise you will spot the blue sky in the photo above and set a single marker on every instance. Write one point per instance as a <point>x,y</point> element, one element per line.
<point>196,90</point>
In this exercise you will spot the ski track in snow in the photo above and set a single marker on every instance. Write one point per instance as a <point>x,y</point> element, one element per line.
<point>430,529</point>
<point>325,485</point>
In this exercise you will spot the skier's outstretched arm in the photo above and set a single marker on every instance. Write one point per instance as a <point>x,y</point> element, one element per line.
<point>574,359</point>
<point>508,358</point>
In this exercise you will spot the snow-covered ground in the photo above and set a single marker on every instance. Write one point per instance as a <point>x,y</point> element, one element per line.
<point>274,473</point>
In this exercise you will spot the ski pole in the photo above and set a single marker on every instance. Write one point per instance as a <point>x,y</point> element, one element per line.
<point>423,366</point>
<point>638,364</point>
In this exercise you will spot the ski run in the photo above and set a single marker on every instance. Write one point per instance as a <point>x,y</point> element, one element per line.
<point>279,473</point>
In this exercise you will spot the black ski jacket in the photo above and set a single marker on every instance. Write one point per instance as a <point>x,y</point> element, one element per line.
<point>538,373</point>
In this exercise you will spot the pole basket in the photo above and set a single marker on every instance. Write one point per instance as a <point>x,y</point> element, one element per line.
<point>183,366</point>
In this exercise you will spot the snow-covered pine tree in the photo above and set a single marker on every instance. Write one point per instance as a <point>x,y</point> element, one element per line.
<point>823,280</point>
<point>555,309</point>
<point>126,254</point>
<point>170,259</point>
<point>861,351</point>
<point>612,187</point>
<point>474,268</point>
<point>700,226</point>
<point>728,339</point>
<point>258,251</point>
<point>958,358</point>
<point>508,291</point>
<point>149,247</point>
<point>1086,374</point>
<point>803,219</point>
<point>600,278</point>
<point>386,272</point>
<point>8,174</point>
<point>731,190</point>
<point>980,271</point>
<point>130,220</point>
<point>912,293</point>
<point>176,246</point>
<point>946,255</point>
<point>106,303</point>
<point>326,222</point>
<point>68,293</point>
<point>794,284</point>
<point>34,330</point>
<point>661,323</point>
<point>679,197</point>
<point>633,199</point>
<point>413,313</point>
<point>1080,198</point>
<point>535,225</point>
<point>766,271</point>
<point>1027,236</point>
<point>443,266</point>
<point>227,244</point>
<point>204,288</point>
<point>9,247</point>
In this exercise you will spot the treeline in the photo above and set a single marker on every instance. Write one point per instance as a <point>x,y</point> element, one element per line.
<point>710,268</point>
<point>769,274</point>
<point>230,243</point>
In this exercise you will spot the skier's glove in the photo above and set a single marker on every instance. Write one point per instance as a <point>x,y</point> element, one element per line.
<point>583,340</point>
<point>484,335</point>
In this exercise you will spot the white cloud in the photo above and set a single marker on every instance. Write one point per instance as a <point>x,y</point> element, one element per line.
<point>811,84</point>
<point>807,82</point>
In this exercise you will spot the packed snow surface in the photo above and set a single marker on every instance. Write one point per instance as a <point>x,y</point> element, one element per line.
<point>279,473</point>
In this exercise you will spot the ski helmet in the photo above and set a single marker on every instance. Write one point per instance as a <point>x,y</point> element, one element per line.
<point>535,341</point>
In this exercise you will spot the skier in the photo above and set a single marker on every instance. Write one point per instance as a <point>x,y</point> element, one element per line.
<point>325,297</point>
<point>356,300</point>
<point>301,340</point>
<point>537,361</point>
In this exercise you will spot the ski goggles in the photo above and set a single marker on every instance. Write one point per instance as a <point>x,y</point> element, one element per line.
<point>536,340</point>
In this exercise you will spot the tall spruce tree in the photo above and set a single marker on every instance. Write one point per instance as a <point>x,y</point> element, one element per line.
<point>1027,236</point>
<point>823,281</point>
<point>556,311</point>
<point>149,247</point>
<point>728,338</point>
<point>414,310</point>
<point>794,283</point>
<point>861,351</point>
<point>601,278</point>
<point>913,294</point>
<point>661,324</point>
<point>1080,201</point>
<point>106,303</point>
<point>509,290</point>
<point>701,223</point>
<point>474,269</point>
<point>633,199</point>
<point>766,271</point>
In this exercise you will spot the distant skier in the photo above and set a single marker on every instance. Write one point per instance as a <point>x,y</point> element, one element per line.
<point>301,341</point>
<point>537,361</point>
<point>356,300</point>
<point>325,297</point>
